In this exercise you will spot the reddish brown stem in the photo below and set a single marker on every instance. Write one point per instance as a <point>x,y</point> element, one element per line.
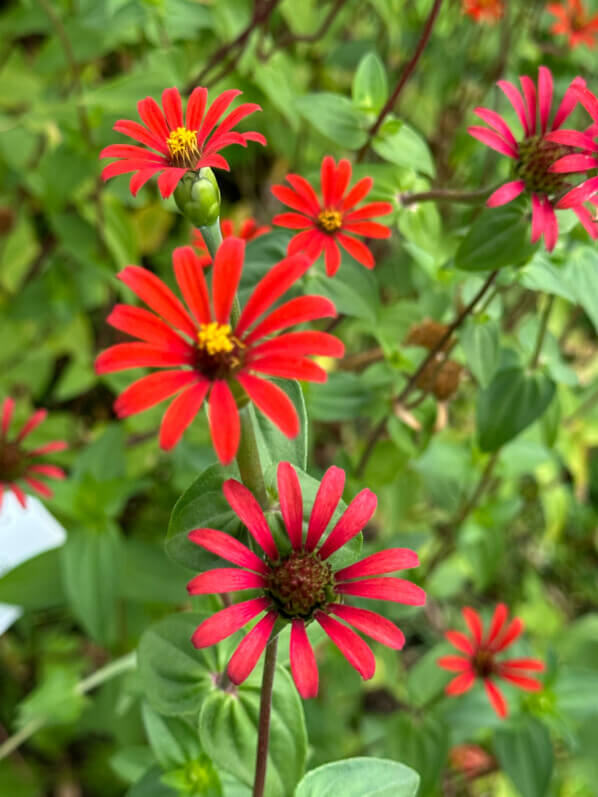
<point>261,761</point>
<point>405,75</point>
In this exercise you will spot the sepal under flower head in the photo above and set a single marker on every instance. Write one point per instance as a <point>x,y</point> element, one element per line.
<point>19,464</point>
<point>301,584</point>
<point>207,357</point>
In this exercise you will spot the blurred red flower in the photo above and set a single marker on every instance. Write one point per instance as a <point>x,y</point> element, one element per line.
<point>535,153</point>
<point>248,231</point>
<point>173,146</point>
<point>574,22</point>
<point>208,355</point>
<point>484,10</point>
<point>300,585</point>
<point>480,660</point>
<point>326,220</point>
<point>18,464</point>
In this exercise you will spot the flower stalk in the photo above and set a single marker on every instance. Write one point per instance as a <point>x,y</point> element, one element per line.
<point>263,738</point>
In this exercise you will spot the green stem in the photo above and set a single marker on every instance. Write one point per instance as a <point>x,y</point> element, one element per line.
<point>261,761</point>
<point>535,358</point>
<point>111,670</point>
<point>212,236</point>
<point>248,458</point>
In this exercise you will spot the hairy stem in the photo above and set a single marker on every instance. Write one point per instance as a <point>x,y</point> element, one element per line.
<point>110,670</point>
<point>261,761</point>
<point>248,458</point>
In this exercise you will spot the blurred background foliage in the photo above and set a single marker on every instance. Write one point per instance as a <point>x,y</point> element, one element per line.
<point>501,512</point>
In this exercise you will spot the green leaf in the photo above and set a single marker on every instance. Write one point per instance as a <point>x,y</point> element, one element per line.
<point>91,568</point>
<point>499,237</point>
<point>582,276</point>
<point>228,732</point>
<point>273,445</point>
<point>342,397</point>
<point>404,147</point>
<point>360,777</point>
<point>149,575</point>
<point>335,117</point>
<point>370,86</point>
<point>34,584</point>
<point>173,740</point>
<point>202,505</point>
<point>525,754</point>
<point>176,677</point>
<point>480,343</point>
<point>353,290</point>
<point>421,743</point>
<point>513,400</point>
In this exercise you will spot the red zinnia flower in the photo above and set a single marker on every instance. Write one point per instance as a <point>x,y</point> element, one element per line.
<point>326,221</point>
<point>484,10</point>
<point>574,22</point>
<point>17,464</point>
<point>535,153</point>
<point>479,660</point>
<point>582,161</point>
<point>176,147</point>
<point>248,231</point>
<point>300,585</point>
<point>206,354</point>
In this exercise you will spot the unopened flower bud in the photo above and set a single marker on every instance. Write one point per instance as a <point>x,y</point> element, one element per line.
<point>198,197</point>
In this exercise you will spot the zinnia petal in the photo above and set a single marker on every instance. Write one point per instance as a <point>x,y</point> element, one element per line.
<point>303,661</point>
<point>247,654</point>
<point>370,623</point>
<point>227,621</point>
<point>351,522</point>
<point>291,502</point>
<point>245,505</point>
<point>357,652</point>
<point>229,548</point>
<point>224,579</point>
<point>326,501</point>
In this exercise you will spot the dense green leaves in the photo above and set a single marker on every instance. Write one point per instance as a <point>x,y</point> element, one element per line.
<point>228,727</point>
<point>360,777</point>
<point>370,86</point>
<point>512,401</point>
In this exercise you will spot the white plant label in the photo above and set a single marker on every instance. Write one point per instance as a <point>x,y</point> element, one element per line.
<point>24,533</point>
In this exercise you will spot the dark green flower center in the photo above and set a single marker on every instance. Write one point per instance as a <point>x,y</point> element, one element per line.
<point>536,156</point>
<point>300,584</point>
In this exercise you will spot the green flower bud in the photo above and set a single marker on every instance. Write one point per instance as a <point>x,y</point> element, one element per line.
<point>198,197</point>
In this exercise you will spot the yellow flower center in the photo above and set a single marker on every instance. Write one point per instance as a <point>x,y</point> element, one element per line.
<point>182,145</point>
<point>330,220</point>
<point>215,338</point>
